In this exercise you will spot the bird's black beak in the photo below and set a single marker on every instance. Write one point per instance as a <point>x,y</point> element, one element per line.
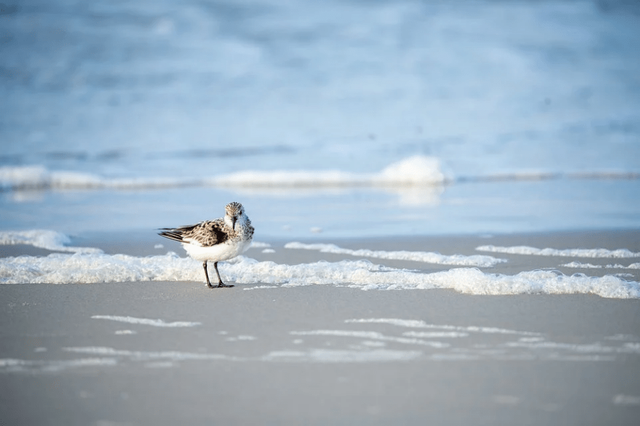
<point>233,221</point>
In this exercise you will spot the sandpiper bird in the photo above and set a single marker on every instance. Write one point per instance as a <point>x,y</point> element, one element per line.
<point>215,240</point>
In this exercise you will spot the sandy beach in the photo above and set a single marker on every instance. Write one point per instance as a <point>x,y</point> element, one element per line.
<point>444,196</point>
<point>139,353</point>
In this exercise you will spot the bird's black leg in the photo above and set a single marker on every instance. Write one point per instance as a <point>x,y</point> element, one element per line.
<point>206,274</point>
<point>220,283</point>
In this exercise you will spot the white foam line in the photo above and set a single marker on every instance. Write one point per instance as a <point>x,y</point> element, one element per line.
<point>361,274</point>
<point>9,365</point>
<point>39,177</point>
<point>393,321</point>
<point>532,251</point>
<point>526,175</point>
<point>414,256</point>
<point>42,238</point>
<point>621,337</point>
<point>502,355</point>
<point>145,321</point>
<point>370,335</point>
<point>422,324</point>
<point>629,400</point>
<point>314,355</point>
<point>580,265</point>
<point>591,348</point>
<point>240,338</point>
<point>523,357</point>
<point>618,266</point>
<point>261,287</point>
<point>434,334</point>
<point>531,339</point>
<point>346,356</point>
<point>145,355</point>
<point>418,170</point>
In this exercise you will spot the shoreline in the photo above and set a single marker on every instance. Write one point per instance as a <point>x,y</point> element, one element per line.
<point>168,352</point>
<point>495,265</point>
<point>143,243</point>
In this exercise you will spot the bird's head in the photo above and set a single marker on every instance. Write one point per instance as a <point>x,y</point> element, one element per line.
<point>233,211</point>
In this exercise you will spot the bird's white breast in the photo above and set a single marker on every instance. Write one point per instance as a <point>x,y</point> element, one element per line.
<point>218,252</point>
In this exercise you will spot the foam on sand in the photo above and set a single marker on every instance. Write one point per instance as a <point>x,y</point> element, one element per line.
<point>343,356</point>
<point>581,265</point>
<point>144,355</point>
<point>371,335</point>
<point>41,238</point>
<point>88,265</point>
<point>451,328</point>
<point>415,256</point>
<point>11,365</point>
<point>59,268</point>
<point>532,251</point>
<point>145,321</point>
<point>628,400</point>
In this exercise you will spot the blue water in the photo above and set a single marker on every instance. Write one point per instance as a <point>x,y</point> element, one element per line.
<point>532,108</point>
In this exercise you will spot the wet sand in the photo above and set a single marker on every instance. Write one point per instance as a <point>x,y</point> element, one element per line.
<point>89,354</point>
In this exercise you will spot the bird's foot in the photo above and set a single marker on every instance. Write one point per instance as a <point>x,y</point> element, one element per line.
<point>221,285</point>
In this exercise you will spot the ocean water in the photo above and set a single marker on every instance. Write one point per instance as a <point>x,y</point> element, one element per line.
<point>336,119</point>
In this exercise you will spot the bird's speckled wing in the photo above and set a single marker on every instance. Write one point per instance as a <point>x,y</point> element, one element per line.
<point>206,234</point>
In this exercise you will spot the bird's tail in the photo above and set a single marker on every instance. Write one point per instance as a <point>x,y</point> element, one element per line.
<point>170,233</point>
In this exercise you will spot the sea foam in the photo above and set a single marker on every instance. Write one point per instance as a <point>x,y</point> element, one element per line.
<point>450,328</point>
<point>147,321</point>
<point>39,177</point>
<point>413,171</point>
<point>50,240</point>
<point>58,268</point>
<point>417,170</point>
<point>532,251</point>
<point>592,266</point>
<point>415,256</point>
